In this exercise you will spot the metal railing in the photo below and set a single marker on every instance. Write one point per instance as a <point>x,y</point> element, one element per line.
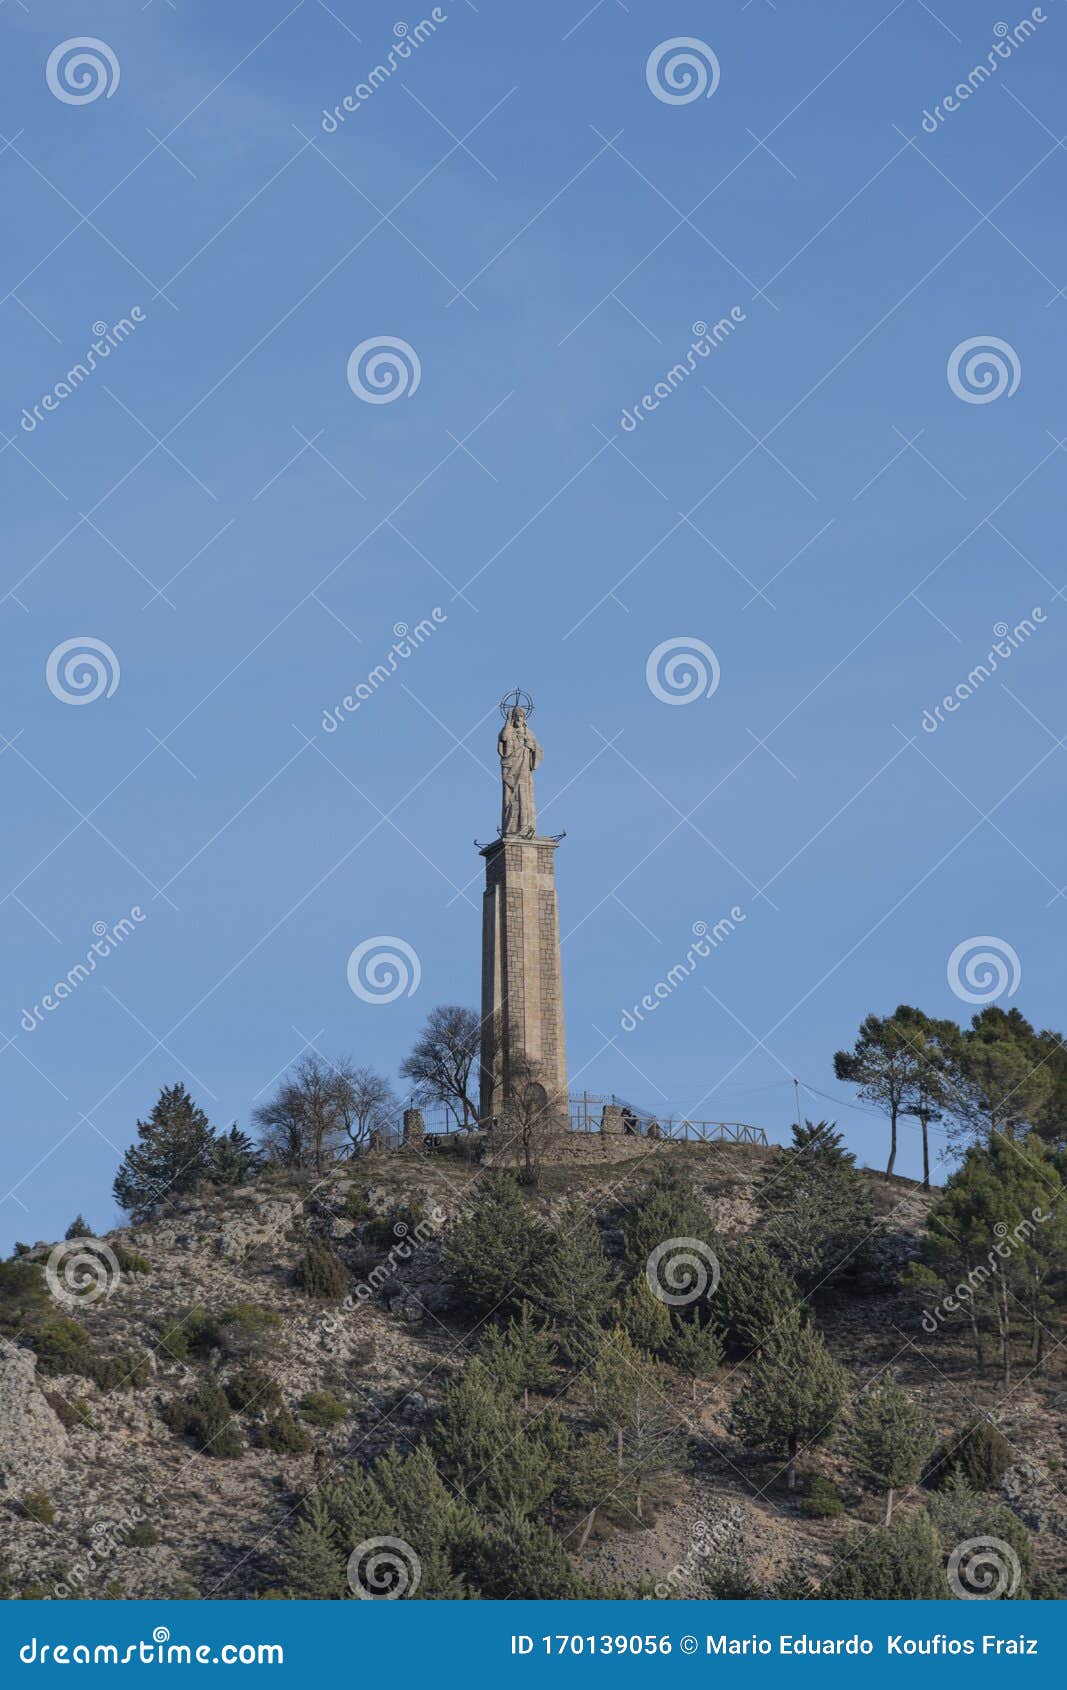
<point>586,1112</point>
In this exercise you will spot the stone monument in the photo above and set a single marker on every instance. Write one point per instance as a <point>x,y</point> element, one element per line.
<point>522,976</point>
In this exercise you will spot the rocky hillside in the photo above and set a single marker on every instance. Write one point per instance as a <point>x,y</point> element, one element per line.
<point>105,1488</point>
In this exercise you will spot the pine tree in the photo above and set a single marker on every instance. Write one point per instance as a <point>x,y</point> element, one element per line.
<point>234,1158</point>
<point>960,1514</point>
<point>551,1432</point>
<point>730,1578</point>
<point>173,1154</point>
<point>821,1138</point>
<point>889,1440</point>
<point>695,1349</point>
<point>520,1355</point>
<point>523,1559</point>
<point>793,1393</point>
<point>481,1444</point>
<point>882,1064</point>
<point>573,1286</point>
<point>669,1208</point>
<point>999,1228</point>
<point>494,1252</point>
<point>793,1584</point>
<point>419,1508</point>
<point>1003,1080</point>
<point>79,1228</point>
<point>311,1559</point>
<point>901,1562</point>
<point>496,1353</point>
<point>645,1319</point>
<point>594,1477</point>
<point>754,1293</point>
<point>633,1404</point>
<point>401,1496</point>
<point>980,1455</point>
<point>817,1215</point>
<point>935,1080</point>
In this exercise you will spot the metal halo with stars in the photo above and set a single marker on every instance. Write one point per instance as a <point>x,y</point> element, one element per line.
<point>516,699</point>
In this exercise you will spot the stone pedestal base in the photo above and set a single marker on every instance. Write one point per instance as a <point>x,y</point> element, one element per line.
<point>522,977</point>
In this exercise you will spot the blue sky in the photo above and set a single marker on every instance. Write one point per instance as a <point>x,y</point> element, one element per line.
<point>815,503</point>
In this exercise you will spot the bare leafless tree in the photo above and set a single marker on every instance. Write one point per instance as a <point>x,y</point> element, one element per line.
<point>305,1123</point>
<point>442,1060</point>
<point>366,1102</point>
<point>529,1119</point>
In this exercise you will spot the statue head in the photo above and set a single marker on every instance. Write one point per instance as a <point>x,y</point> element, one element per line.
<point>515,706</point>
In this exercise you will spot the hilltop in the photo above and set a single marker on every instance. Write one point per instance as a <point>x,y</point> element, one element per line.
<point>104,1490</point>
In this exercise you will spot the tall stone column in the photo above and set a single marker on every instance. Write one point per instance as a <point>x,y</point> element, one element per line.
<point>522,975</point>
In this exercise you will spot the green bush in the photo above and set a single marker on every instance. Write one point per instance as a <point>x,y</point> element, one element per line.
<point>980,1455</point>
<point>283,1436</point>
<point>205,1417</point>
<point>252,1390</point>
<point>822,1500</point>
<point>355,1206</point>
<point>130,1261</point>
<point>194,1333</point>
<point>386,1230</point>
<point>24,1299</point>
<point>38,1505</point>
<point>128,1370</point>
<point>322,1408</point>
<point>322,1273</point>
<point>143,1535</point>
<point>64,1346</point>
<point>730,1579</point>
<point>72,1411</point>
<point>250,1318</point>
